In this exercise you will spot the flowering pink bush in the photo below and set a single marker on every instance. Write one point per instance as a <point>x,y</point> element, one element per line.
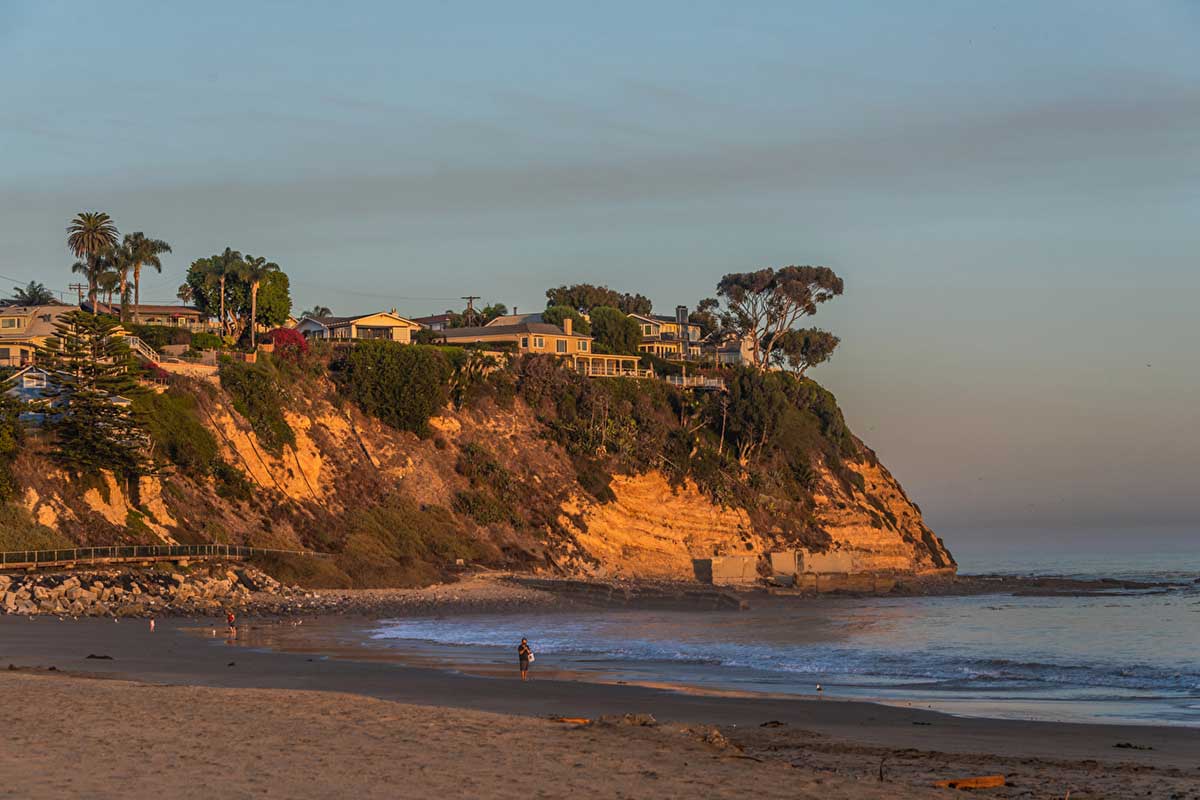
<point>289,344</point>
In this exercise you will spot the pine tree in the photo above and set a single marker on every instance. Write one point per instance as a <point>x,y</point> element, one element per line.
<point>92,365</point>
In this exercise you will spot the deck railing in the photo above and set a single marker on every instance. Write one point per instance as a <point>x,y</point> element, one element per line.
<point>115,553</point>
<point>695,381</point>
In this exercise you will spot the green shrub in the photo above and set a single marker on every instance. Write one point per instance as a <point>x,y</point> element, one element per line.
<point>401,385</point>
<point>202,340</point>
<point>258,397</point>
<point>173,422</point>
<point>11,439</point>
<point>231,482</point>
<point>481,507</point>
<point>159,336</point>
<point>18,531</point>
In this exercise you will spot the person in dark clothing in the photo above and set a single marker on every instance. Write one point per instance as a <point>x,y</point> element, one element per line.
<point>524,656</point>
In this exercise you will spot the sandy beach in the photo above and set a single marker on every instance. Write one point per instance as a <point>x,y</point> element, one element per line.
<point>171,710</point>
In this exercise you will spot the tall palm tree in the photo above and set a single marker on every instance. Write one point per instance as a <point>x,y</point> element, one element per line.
<point>121,257</point>
<point>318,311</point>
<point>89,234</point>
<point>143,252</point>
<point>227,265</point>
<point>253,270</point>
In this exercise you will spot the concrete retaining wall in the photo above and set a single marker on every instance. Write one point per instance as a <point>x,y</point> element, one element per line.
<point>726,570</point>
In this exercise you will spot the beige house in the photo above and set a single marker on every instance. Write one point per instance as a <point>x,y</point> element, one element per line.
<point>23,329</point>
<point>383,325</point>
<point>189,317</point>
<point>672,338</point>
<point>547,339</point>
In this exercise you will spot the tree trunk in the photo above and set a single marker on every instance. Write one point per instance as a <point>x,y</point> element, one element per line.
<point>254,316</point>
<point>124,289</point>
<point>224,322</point>
<point>137,291</point>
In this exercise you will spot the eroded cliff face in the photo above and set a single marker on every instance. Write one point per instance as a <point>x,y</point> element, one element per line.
<point>344,462</point>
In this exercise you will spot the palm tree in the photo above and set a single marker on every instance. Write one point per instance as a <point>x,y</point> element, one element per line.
<point>121,257</point>
<point>253,270</point>
<point>89,234</point>
<point>95,268</point>
<point>185,293</point>
<point>108,282</point>
<point>318,311</point>
<point>35,294</point>
<point>227,265</point>
<point>143,252</point>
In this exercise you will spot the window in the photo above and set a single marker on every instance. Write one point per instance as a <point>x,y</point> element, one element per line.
<point>524,342</point>
<point>539,342</point>
<point>646,329</point>
<point>35,381</point>
<point>10,322</point>
<point>5,354</point>
<point>560,345</point>
<point>583,345</point>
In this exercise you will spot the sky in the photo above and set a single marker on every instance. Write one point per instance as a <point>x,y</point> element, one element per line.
<point>1011,192</point>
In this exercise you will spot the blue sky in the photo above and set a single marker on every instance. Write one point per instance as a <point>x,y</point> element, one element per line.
<point>1011,192</point>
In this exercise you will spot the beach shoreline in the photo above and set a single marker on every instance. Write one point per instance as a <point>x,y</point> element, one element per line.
<point>834,738</point>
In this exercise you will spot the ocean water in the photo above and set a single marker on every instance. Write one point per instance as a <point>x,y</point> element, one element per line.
<point>1119,657</point>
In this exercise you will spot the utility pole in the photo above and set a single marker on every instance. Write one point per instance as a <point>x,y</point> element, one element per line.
<point>78,287</point>
<point>471,315</point>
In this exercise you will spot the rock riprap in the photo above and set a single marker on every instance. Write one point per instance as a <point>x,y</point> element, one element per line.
<point>136,594</point>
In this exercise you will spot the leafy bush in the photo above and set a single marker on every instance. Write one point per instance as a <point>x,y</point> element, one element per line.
<point>173,422</point>
<point>159,336</point>
<point>257,396</point>
<point>18,531</point>
<point>614,331</point>
<point>11,439</point>
<point>401,385</point>
<point>231,482</point>
<point>290,344</point>
<point>206,341</point>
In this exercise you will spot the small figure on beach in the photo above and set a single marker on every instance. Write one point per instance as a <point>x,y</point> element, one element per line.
<point>525,657</point>
<point>231,620</point>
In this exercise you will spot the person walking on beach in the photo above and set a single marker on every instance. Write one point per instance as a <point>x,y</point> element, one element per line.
<point>524,656</point>
<point>232,622</point>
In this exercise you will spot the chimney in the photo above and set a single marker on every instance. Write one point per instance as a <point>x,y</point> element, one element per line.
<point>568,324</point>
<point>681,315</point>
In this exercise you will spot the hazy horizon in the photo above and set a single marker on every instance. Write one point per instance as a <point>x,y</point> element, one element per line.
<point>1009,192</point>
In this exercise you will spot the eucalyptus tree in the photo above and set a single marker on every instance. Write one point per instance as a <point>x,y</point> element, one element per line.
<point>764,305</point>
<point>89,235</point>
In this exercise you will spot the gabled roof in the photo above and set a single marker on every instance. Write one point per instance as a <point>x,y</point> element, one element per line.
<point>38,325</point>
<point>341,322</point>
<point>503,330</point>
<point>513,319</point>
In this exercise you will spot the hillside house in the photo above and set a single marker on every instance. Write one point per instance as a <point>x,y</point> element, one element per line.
<point>436,322</point>
<point>23,329</point>
<point>672,338</point>
<point>544,338</point>
<point>172,316</point>
<point>725,348</point>
<point>387,325</point>
<point>40,390</point>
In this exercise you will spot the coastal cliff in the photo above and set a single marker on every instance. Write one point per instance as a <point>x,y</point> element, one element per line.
<point>499,478</point>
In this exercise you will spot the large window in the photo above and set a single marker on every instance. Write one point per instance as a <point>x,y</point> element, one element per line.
<point>582,345</point>
<point>10,322</point>
<point>539,342</point>
<point>560,345</point>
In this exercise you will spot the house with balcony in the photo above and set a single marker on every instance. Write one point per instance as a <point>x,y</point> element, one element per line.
<point>672,338</point>
<point>24,329</point>
<point>542,338</point>
<point>387,325</point>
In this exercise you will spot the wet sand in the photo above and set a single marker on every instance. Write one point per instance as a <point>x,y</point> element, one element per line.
<point>839,742</point>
